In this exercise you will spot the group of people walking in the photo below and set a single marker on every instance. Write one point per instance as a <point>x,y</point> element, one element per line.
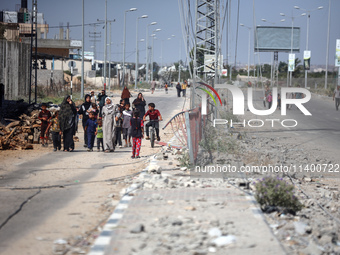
<point>182,88</point>
<point>101,119</point>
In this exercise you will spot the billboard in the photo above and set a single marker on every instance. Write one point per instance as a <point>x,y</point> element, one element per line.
<point>270,39</point>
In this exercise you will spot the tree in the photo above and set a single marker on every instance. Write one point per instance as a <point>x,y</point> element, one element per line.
<point>283,67</point>
<point>298,68</point>
<point>2,31</point>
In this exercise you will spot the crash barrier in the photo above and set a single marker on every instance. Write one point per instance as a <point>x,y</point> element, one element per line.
<point>187,128</point>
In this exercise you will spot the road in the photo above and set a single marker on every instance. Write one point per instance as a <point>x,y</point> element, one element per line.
<point>76,188</point>
<point>320,131</point>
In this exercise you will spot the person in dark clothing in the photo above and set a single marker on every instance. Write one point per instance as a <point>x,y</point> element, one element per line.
<point>101,99</point>
<point>84,110</point>
<point>119,122</point>
<point>2,94</point>
<point>126,95</point>
<point>137,133</point>
<point>178,87</point>
<point>67,122</point>
<point>140,103</point>
<point>91,130</point>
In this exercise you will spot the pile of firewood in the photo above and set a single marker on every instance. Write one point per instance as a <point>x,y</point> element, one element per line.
<point>20,134</point>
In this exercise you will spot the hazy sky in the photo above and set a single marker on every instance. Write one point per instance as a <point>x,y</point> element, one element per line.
<point>166,14</point>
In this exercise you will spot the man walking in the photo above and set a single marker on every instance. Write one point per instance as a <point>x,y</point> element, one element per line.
<point>153,86</point>
<point>336,95</point>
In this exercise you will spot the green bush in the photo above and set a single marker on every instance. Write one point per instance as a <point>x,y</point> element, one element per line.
<point>275,192</point>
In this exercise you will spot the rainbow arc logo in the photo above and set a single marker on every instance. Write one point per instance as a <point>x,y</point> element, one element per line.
<point>204,97</point>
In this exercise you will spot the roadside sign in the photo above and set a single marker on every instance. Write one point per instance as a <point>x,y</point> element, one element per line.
<point>75,43</point>
<point>306,59</point>
<point>291,62</point>
<point>337,53</point>
<point>72,64</point>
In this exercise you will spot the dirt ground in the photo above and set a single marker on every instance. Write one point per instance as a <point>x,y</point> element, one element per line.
<point>77,221</point>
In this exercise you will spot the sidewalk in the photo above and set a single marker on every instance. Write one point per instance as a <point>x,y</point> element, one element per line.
<point>171,213</point>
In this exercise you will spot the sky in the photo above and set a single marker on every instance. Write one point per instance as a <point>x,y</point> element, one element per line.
<point>167,15</point>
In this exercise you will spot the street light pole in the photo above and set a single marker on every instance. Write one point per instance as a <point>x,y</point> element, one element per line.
<point>307,37</point>
<point>82,55</point>
<point>272,57</point>
<point>124,38</point>
<point>105,48</point>
<point>152,50</point>
<point>147,50</point>
<point>249,28</point>
<point>291,46</point>
<point>153,39</point>
<point>327,51</point>
<point>179,63</point>
<point>110,60</point>
<point>137,53</point>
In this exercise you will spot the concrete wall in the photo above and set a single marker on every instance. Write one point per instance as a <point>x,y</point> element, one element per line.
<point>14,68</point>
<point>63,65</point>
<point>44,77</point>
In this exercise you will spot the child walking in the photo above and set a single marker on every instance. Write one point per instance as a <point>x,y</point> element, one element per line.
<point>137,133</point>
<point>45,117</point>
<point>99,133</point>
<point>94,108</point>
<point>90,128</point>
<point>55,131</point>
<point>127,115</point>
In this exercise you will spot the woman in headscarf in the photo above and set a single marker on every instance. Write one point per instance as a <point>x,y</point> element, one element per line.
<point>84,110</point>
<point>108,115</point>
<point>67,115</point>
<point>140,103</point>
<point>126,95</point>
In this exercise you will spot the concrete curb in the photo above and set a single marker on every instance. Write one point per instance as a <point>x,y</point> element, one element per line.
<point>103,240</point>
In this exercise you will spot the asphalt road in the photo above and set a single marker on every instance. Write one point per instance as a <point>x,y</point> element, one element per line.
<point>23,210</point>
<point>320,131</point>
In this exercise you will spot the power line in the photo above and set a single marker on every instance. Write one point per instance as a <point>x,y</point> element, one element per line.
<point>88,24</point>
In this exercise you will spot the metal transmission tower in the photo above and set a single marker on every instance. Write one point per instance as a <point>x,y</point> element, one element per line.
<point>276,69</point>
<point>207,49</point>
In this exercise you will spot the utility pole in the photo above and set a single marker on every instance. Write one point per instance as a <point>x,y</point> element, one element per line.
<point>327,51</point>
<point>34,35</point>
<point>105,48</point>
<point>95,35</point>
<point>137,53</point>
<point>147,49</point>
<point>179,62</point>
<point>124,42</point>
<point>82,54</point>
<point>110,21</point>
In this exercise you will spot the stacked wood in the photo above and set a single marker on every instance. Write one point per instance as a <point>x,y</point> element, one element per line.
<point>20,134</point>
